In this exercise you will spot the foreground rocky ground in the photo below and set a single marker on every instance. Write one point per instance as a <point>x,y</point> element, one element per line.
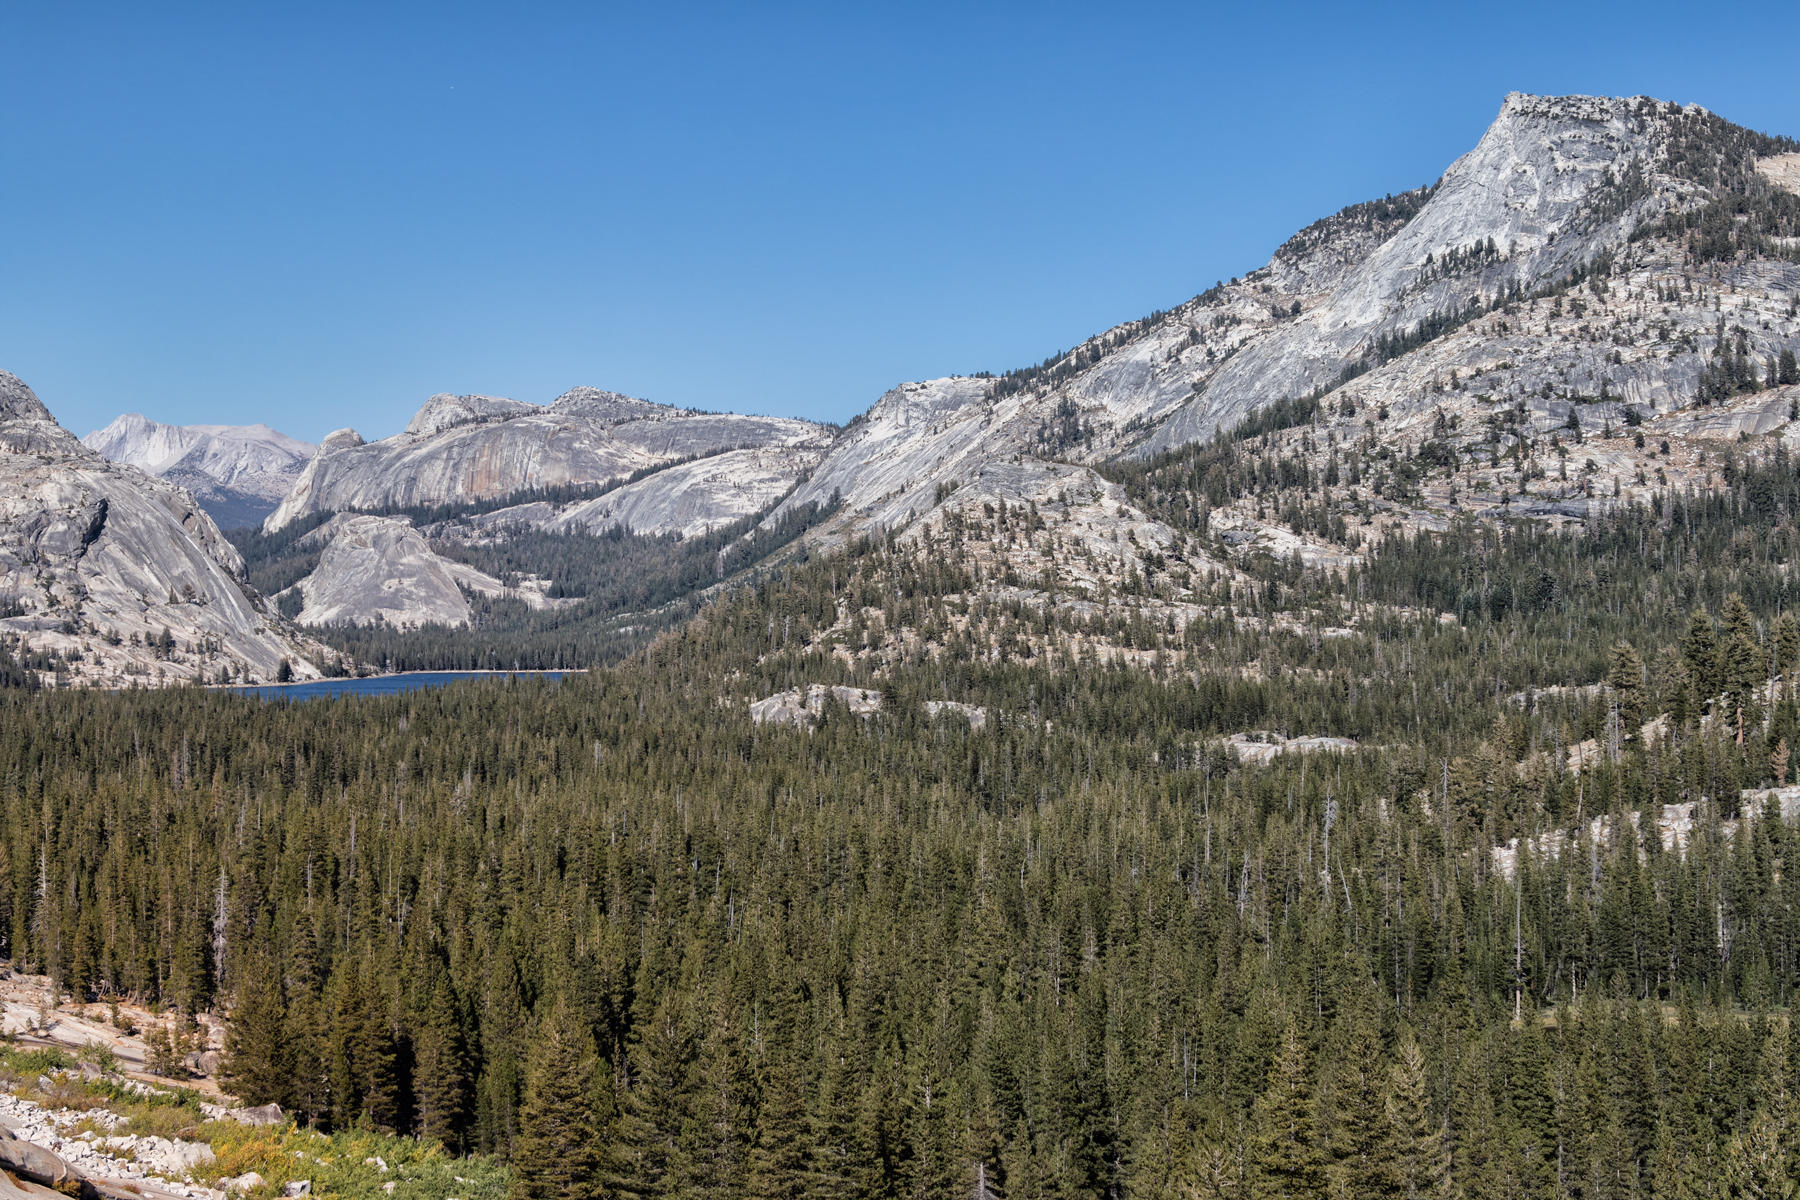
<point>82,1114</point>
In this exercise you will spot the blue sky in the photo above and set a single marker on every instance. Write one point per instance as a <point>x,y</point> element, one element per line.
<point>318,214</point>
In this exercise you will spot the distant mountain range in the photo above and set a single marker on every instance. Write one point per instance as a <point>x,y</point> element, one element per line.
<point>238,473</point>
<point>1573,316</point>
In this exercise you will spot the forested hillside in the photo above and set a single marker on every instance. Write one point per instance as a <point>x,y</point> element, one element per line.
<point>615,931</point>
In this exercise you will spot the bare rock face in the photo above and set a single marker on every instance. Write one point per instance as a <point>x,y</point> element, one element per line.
<point>1543,186</point>
<point>974,714</point>
<point>100,560</point>
<point>460,449</point>
<point>1260,748</point>
<point>380,570</point>
<point>19,403</point>
<point>888,463</point>
<point>445,411</point>
<point>238,473</point>
<point>802,707</point>
<point>1387,307</point>
<point>691,498</point>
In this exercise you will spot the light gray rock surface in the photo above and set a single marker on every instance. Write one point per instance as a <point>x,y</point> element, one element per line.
<point>98,559</point>
<point>693,497</point>
<point>461,449</point>
<point>1538,185</point>
<point>1260,748</point>
<point>974,714</point>
<point>380,570</point>
<point>802,707</point>
<point>44,1142</point>
<point>238,473</point>
<point>888,463</point>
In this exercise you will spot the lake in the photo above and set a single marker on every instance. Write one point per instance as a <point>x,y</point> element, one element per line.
<point>379,685</point>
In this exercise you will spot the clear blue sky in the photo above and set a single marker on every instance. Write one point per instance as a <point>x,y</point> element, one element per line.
<point>318,214</point>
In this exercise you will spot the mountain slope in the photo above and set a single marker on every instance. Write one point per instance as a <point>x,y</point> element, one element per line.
<point>120,572</point>
<point>238,473</point>
<point>1394,304</point>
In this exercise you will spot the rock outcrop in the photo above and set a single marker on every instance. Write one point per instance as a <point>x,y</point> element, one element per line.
<point>464,449</point>
<point>380,570</point>
<point>802,707</point>
<point>118,572</point>
<point>237,473</point>
<point>41,1155</point>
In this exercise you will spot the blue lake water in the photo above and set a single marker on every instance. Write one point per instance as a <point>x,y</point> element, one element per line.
<point>380,685</point>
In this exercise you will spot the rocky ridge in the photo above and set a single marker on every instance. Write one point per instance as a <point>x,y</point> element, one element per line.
<point>1600,301</point>
<point>117,572</point>
<point>463,449</point>
<point>1557,187</point>
<point>1542,294</point>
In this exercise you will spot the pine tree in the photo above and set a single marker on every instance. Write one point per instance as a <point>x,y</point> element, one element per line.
<point>559,1153</point>
<point>656,1104</point>
<point>1476,1168</point>
<point>1700,648</point>
<point>1785,633</point>
<point>1415,1164</point>
<point>1757,1162</point>
<point>1357,1081</point>
<point>256,1067</point>
<point>715,1141</point>
<point>1761,1161</point>
<point>441,1078</point>
<point>310,1091</point>
<point>1625,676</point>
<point>1742,660</point>
<point>365,1081</point>
<point>1285,1160</point>
<point>781,1158</point>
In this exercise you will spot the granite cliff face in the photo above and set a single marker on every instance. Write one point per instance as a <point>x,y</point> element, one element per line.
<point>238,473</point>
<point>380,570</point>
<point>691,498</point>
<point>120,572</point>
<point>1554,183</point>
<point>461,449</point>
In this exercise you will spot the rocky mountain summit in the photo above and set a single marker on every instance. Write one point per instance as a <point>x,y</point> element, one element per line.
<point>1586,254</point>
<point>237,473</point>
<point>117,573</point>
<point>463,449</point>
